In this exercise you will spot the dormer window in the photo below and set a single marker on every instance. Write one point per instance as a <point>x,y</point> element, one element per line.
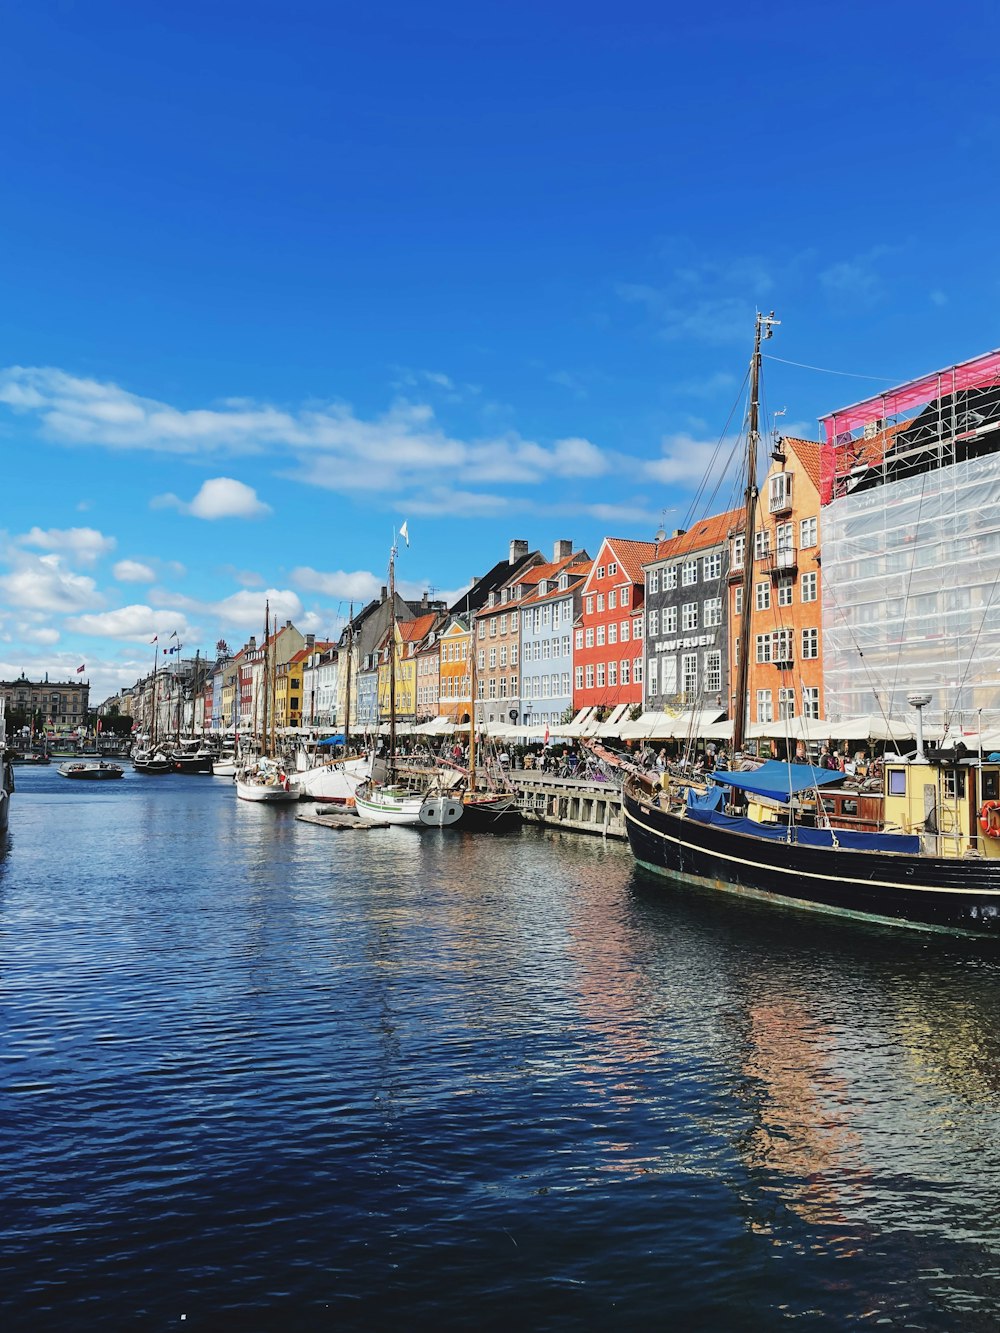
<point>543,587</point>
<point>503,597</point>
<point>493,599</point>
<point>563,582</point>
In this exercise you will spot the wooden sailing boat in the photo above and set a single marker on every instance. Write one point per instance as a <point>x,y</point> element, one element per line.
<point>151,760</point>
<point>336,782</point>
<point>764,833</point>
<point>264,779</point>
<point>391,802</point>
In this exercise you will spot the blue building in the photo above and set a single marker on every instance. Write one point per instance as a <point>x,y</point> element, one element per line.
<point>547,619</point>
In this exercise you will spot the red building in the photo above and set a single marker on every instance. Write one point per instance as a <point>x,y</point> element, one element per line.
<point>608,637</point>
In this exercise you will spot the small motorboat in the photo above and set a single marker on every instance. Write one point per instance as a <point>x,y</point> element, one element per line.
<point>91,770</point>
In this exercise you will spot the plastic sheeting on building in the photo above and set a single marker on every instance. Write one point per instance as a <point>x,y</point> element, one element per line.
<point>910,603</point>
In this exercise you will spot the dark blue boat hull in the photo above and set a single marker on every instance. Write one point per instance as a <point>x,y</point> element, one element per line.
<point>928,892</point>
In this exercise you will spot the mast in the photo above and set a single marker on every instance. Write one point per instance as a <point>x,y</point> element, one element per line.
<point>152,723</point>
<point>392,664</point>
<point>472,709</point>
<point>263,729</point>
<point>762,329</point>
<point>347,691</point>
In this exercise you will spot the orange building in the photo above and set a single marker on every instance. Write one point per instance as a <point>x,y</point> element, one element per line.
<point>455,670</point>
<point>785,675</point>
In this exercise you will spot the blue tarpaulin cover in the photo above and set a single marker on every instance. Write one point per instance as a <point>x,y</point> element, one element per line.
<point>854,840</point>
<point>331,740</point>
<point>779,781</point>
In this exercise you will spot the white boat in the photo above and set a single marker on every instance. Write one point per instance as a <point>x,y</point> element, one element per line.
<point>265,780</point>
<point>91,770</point>
<point>336,782</point>
<point>224,767</point>
<point>399,805</point>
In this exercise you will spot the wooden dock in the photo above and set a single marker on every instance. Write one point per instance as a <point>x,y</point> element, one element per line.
<point>339,820</point>
<point>585,807</point>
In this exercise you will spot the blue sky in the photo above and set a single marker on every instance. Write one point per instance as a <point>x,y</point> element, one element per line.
<point>277,277</point>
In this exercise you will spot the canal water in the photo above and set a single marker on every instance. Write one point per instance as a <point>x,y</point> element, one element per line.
<point>261,1075</point>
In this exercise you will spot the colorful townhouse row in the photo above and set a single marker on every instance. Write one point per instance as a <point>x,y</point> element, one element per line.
<point>845,580</point>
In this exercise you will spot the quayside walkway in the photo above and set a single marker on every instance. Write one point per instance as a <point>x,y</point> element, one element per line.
<point>573,803</point>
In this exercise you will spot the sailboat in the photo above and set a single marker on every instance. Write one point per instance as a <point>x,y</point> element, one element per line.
<point>152,760</point>
<point>264,779</point>
<point>485,811</point>
<point>337,782</point>
<point>933,864</point>
<point>391,802</point>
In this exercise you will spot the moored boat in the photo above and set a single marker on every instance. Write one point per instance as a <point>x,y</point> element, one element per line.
<point>264,780</point>
<point>92,770</point>
<point>931,861</point>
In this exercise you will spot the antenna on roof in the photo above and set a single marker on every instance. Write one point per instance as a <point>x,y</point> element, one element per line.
<point>660,535</point>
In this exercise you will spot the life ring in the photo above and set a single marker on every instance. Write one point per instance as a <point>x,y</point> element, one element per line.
<point>989,818</point>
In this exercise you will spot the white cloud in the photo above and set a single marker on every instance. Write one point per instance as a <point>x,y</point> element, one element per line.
<point>43,635</point>
<point>361,586</point>
<point>136,623</point>
<point>133,571</point>
<point>687,461</point>
<point>219,497</point>
<point>83,545</point>
<point>41,583</point>
<point>245,610</point>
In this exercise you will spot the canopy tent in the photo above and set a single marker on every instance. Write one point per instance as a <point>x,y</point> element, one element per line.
<point>611,726</point>
<point>692,722</point>
<point>792,728</point>
<point>439,726</point>
<point>875,727</point>
<point>777,780</point>
<point>575,728</point>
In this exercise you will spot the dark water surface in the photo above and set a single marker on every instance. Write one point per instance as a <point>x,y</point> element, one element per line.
<point>259,1075</point>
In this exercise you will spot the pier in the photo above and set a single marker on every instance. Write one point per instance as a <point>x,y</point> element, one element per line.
<point>573,803</point>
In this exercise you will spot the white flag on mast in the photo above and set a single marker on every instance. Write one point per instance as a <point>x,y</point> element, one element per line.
<point>405,534</point>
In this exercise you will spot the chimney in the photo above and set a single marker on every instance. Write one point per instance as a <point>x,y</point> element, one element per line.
<point>562,550</point>
<point>679,532</point>
<point>384,593</point>
<point>423,601</point>
<point>310,640</point>
<point>288,624</point>
<point>253,642</point>
<point>518,550</point>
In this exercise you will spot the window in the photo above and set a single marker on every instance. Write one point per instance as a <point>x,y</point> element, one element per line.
<point>493,627</point>
<point>503,656</point>
<point>786,704</point>
<point>526,621</point>
<point>713,672</point>
<point>738,602</point>
<point>612,570</point>
<point>669,578</point>
<point>579,638</point>
<point>546,616</point>
<point>590,638</point>
<point>503,687</point>
<point>612,633</point>
<point>654,580</point>
<point>670,620</point>
<point>897,781</point>
<point>668,675</point>
<point>783,650</point>
<point>761,545</point>
<point>493,658</point>
<point>637,670</point>
<point>613,674</point>
<point>637,624</point>
<point>590,677</point>
<point>503,623</point>
<point>600,601</point>
<point>600,635</point>
<point>779,490</point>
<point>612,600</point>
<point>513,654</point>
<point>784,592</point>
<point>807,587</point>
<point>493,687</point>
<point>763,642</point>
<point>652,677</point>
<point>763,596</point>
<point>711,566</point>
<point>654,623</point>
<point>689,573</point>
<point>590,606</point>
<point>623,631</point>
<point>565,683</point>
<point>623,597</point>
<point>482,629</point>
<point>689,616</point>
<point>810,642</point>
<point>784,537</point>
<point>578,677</point>
<point>807,532</point>
<point>713,612</point>
<point>765,709</point>
<point>738,547</point>
<point>623,667</point>
<point>600,675</point>
<point>600,571</point>
<point>689,674</point>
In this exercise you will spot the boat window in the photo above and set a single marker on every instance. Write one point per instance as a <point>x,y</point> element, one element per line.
<point>849,808</point>
<point>991,784</point>
<point>954,783</point>
<point>897,782</point>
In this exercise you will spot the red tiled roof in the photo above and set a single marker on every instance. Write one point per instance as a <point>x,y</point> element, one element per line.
<point>809,453</point>
<point>411,631</point>
<point>631,555</point>
<point>576,567</point>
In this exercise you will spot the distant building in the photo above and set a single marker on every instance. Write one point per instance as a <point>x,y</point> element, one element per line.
<point>59,706</point>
